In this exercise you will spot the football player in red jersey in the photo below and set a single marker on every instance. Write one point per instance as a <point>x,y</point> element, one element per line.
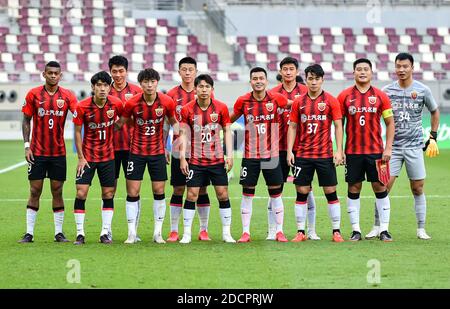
<point>260,110</point>
<point>291,87</point>
<point>96,152</point>
<point>148,110</point>
<point>311,119</point>
<point>362,106</point>
<point>202,120</point>
<point>122,89</point>
<point>48,106</point>
<point>181,95</point>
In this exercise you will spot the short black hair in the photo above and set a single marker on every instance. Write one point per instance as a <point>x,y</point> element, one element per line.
<point>119,61</point>
<point>148,74</point>
<point>52,64</point>
<point>405,56</point>
<point>208,79</point>
<point>315,69</point>
<point>362,60</point>
<point>279,77</point>
<point>101,76</point>
<point>289,60</point>
<point>257,69</point>
<point>188,60</point>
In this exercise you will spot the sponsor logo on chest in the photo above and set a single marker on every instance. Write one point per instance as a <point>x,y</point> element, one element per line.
<point>50,112</point>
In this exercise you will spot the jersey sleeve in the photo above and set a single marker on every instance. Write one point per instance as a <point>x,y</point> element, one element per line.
<point>293,116</point>
<point>429,100</point>
<point>336,113</point>
<point>27,107</point>
<point>341,102</point>
<point>225,116</point>
<point>78,115</point>
<point>170,107</point>
<point>282,101</point>
<point>237,108</point>
<point>72,103</point>
<point>386,108</point>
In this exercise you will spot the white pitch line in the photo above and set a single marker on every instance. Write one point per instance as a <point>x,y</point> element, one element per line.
<point>231,198</point>
<point>12,167</point>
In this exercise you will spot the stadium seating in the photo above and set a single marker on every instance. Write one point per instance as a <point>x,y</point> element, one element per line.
<point>83,39</point>
<point>336,48</point>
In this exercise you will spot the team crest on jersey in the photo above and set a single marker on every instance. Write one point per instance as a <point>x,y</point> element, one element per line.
<point>372,99</point>
<point>321,106</point>
<point>110,113</point>
<point>128,96</point>
<point>352,110</point>
<point>269,106</point>
<point>414,95</point>
<point>159,111</point>
<point>214,117</point>
<point>60,103</point>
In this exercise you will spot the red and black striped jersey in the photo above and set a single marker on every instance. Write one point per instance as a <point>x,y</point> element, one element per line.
<point>149,123</point>
<point>261,124</point>
<point>180,97</point>
<point>49,114</point>
<point>98,144</point>
<point>283,114</point>
<point>314,119</point>
<point>363,112</point>
<point>122,138</point>
<point>203,130</point>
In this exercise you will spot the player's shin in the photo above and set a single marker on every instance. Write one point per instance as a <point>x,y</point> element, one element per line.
<point>384,209</point>
<point>203,208</point>
<point>132,204</point>
<point>188,216</point>
<point>278,208</point>
<point>311,213</point>
<point>176,207</point>
<point>107,215</point>
<point>334,210</point>
<point>246,208</point>
<point>301,209</point>
<point>58,218</point>
<point>353,209</point>
<point>420,206</point>
<point>31,219</point>
<point>159,212</point>
<point>79,212</point>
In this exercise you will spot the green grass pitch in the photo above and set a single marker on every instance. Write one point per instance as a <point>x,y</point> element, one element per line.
<point>405,263</point>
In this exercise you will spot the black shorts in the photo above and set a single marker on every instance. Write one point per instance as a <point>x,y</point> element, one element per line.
<point>284,165</point>
<point>304,172</point>
<point>177,178</point>
<point>54,168</point>
<point>105,172</point>
<point>251,168</point>
<point>121,158</point>
<point>156,167</point>
<point>359,165</point>
<point>199,175</point>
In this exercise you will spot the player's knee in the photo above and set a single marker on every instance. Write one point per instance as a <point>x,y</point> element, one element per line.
<point>417,190</point>
<point>192,196</point>
<point>222,195</point>
<point>203,191</point>
<point>35,192</point>
<point>108,194</point>
<point>178,190</point>
<point>57,191</point>
<point>355,187</point>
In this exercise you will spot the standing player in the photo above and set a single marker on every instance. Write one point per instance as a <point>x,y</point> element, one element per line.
<point>181,95</point>
<point>202,121</point>
<point>261,149</point>
<point>291,88</point>
<point>311,116</point>
<point>120,88</point>
<point>147,149</point>
<point>408,98</point>
<point>48,105</point>
<point>363,105</point>
<point>96,152</point>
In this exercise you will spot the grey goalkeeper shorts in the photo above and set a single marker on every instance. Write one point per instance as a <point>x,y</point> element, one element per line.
<point>414,162</point>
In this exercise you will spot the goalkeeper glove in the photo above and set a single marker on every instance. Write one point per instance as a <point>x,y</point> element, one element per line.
<point>431,149</point>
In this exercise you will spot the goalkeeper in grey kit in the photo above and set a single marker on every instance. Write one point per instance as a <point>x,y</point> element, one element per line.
<point>408,98</point>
